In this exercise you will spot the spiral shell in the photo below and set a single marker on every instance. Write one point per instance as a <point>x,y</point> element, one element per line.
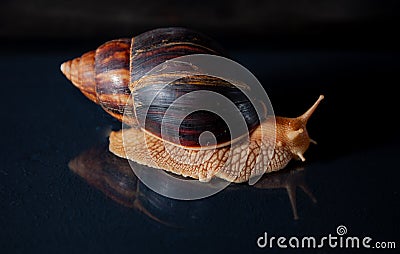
<point>109,74</point>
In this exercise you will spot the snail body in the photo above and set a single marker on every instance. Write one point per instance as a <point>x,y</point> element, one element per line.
<point>117,70</point>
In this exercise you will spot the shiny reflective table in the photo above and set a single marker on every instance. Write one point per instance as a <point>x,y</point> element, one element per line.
<point>60,190</point>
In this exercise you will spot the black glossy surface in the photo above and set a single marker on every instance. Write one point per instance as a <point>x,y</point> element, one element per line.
<point>353,171</point>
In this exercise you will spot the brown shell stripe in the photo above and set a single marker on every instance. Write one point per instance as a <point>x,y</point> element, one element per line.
<point>157,46</point>
<point>112,76</point>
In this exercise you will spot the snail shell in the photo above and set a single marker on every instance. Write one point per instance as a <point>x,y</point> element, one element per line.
<point>109,74</point>
<point>115,70</point>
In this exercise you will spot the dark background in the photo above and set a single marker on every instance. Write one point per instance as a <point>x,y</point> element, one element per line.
<point>283,23</point>
<point>346,50</point>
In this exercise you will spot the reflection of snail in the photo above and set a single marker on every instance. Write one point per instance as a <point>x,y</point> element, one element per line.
<point>289,180</point>
<point>110,73</point>
<point>114,177</point>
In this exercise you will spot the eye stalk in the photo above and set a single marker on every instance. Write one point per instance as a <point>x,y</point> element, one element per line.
<point>304,117</point>
<point>293,134</point>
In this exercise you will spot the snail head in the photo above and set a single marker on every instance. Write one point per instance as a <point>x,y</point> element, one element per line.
<point>293,134</point>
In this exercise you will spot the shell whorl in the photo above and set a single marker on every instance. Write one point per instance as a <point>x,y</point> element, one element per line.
<point>112,76</point>
<point>102,75</point>
<point>80,71</point>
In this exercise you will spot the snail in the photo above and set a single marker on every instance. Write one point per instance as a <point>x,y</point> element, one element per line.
<point>117,70</point>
